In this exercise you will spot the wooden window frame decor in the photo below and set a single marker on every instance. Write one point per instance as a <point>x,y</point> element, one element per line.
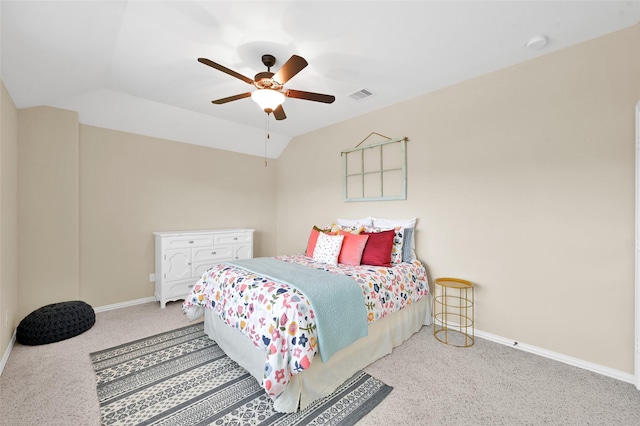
<point>366,168</point>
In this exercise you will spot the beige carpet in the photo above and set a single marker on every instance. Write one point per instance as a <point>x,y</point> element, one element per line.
<point>434,384</point>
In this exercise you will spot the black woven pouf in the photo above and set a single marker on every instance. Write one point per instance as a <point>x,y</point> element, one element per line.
<point>55,322</point>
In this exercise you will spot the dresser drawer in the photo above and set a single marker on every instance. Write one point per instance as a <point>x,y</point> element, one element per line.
<point>188,241</point>
<point>215,253</point>
<point>233,238</point>
<point>180,289</point>
<point>198,269</point>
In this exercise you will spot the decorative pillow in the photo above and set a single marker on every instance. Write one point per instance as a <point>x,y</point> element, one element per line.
<point>398,241</point>
<point>350,229</point>
<point>328,248</point>
<point>311,244</point>
<point>408,253</point>
<point>313,238</point>
<point>352,248</point>
<point>409,246</point>
<point>377,251</point>
<point>366,221</point>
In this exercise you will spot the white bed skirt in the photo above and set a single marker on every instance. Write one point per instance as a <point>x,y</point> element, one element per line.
<point>322,378</point>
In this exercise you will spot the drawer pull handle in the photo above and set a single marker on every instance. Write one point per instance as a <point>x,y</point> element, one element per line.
<point>190,286</point>
<point>189,264</point>
<point>235,238</point>
<point>190,242</point>
<point>213,252</point>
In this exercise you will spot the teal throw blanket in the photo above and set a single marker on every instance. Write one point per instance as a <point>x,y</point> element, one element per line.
<point>337,300</point>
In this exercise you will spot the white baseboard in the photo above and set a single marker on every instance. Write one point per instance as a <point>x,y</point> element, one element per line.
<point>5,357</point>
<point>124,304</point>
<point>605,371</point>
<point>596,368</point>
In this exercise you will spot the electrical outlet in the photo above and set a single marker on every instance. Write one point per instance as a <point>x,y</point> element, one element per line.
<point>152,278</point>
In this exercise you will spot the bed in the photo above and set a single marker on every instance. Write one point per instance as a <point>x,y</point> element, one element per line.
<point>260,312</point>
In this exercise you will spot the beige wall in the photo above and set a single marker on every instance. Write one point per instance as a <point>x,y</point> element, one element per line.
<point>89,200</point>
<point>8,218</point>
<point>523,182</point>
<point>131,186</point>
<point>48,263</point>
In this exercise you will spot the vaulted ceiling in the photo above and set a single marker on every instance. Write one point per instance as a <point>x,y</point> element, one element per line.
<point>132,65</point>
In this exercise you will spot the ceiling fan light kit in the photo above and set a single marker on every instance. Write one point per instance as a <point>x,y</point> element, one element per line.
<point>270,93</point>
<point>268,99</point>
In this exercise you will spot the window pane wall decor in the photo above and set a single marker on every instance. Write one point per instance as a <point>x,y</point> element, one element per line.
<point>376,172</point>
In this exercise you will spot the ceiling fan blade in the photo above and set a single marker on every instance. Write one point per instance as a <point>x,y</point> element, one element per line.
<point>225,70</point>
<point>278,113</point>
<point>231,98</point>
<point>310,96</point>
<point>293,66</point>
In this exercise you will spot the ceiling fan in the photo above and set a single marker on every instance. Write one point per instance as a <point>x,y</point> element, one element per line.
<point>271,92</point>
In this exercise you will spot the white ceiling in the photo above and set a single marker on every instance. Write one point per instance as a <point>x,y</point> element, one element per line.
<point>132,65</point>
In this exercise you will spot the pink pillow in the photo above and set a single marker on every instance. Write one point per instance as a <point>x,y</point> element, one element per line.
<point>352,248</point>
<point>377,251</point>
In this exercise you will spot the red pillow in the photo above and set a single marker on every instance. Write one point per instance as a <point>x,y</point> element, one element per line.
<point>377,251</point>
<point>352,248</point>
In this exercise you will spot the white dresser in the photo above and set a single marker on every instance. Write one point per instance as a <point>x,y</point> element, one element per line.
<point>183,256</point>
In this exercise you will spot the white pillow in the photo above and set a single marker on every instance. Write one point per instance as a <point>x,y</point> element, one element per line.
<point>328,248</point>
<point>392,223</point>
<point>366,221</point>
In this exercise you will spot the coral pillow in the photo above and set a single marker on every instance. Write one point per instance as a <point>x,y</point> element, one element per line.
<point>311,244</point>
<point>313,238</point>
<point>352,248</point>
<point>377,251</point>
<point>328,248</point>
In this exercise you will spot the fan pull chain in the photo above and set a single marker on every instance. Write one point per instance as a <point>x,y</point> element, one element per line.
<point>266,136</point>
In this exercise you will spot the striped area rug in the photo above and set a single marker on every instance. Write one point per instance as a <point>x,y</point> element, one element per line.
<point>183,378</point>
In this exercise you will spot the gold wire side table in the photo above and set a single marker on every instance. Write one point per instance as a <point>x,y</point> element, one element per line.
<point>453,316</point>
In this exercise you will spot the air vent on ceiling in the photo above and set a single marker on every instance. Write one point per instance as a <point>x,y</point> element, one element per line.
<point>360,94</point>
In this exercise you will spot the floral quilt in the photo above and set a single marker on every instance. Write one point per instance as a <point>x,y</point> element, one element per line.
<point>279,319</point>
